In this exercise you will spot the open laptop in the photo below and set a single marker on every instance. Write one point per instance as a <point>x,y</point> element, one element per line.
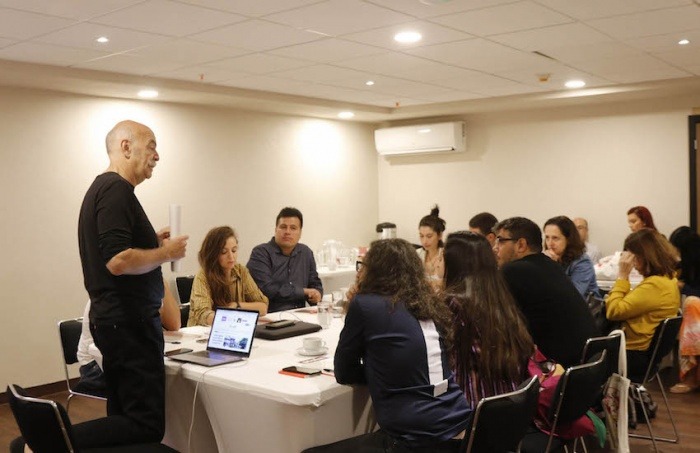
<point>230,339</point>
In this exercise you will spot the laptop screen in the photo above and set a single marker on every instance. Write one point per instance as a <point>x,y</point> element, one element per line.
<point>233,330</point>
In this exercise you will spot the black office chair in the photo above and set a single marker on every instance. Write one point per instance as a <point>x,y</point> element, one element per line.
<point>500,422</point>
<point>69,332</point>
<point>575,393</point>
<point>184,314</point>
<point>46,428</point>
<point>184,288</point>
<point>610,344</point>
<point>662,343</point>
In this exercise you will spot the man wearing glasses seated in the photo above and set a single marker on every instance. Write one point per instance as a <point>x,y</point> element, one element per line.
<point>284,269</point>
<point>557,316</point>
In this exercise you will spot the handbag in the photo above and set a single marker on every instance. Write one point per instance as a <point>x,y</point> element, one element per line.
<point>615,402</point>
<point>549,373</point>
<point>596,306</point>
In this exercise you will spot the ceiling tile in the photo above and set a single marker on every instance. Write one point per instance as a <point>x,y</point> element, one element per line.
<point>510,89</point>
<point>47,54</point>
<point>508,18</point>
<point>592,9</point>
<point>472,81</point>
<point>482,55</point>
<point>251,8</point>
<point>638,68</point>
<point>6,42</point>
<point>128,64</point>
<point>83,36</point>
<point>199,73</point>
<point>687,58</point>
<point>399,65</point>
<point>322,73</point>
<point>327,50</point>
<point>169,18</point>
<point>22,25</point>
<point>666,42</point>
<point>258,64</point>
<point>452,96</point>
<point>339,17</point>
<point>650,23</point>
<point>384,37</point>
<point>256,35</point>
<point>187,51</point>
<point>423,10</point>
<point>265,83</point>
<point>542,39</point>
<point>397,87</point>
<point>584,52</point>
<point>556,78</point>
<point>69,9</point>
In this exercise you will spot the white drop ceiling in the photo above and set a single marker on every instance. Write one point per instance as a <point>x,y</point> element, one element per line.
<point>313,57</point>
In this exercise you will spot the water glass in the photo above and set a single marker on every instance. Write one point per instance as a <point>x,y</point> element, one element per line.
<point>325,313</point>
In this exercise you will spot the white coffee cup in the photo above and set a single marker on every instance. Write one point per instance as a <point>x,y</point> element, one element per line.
<point>313,344</point>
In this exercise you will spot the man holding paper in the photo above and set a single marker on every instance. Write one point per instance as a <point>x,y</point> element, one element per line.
<point>121,256</point>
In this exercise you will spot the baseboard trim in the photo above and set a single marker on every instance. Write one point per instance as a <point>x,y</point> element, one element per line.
<point>42,390</point>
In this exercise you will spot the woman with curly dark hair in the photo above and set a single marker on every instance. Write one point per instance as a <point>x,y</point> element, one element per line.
<point>564,245</point>
<point>395,341</point>
<point>491,343</point>
<point>222,281</point>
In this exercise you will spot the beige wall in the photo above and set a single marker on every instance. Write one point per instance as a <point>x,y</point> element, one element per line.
<point>222,166</point>
<point>594,162</point>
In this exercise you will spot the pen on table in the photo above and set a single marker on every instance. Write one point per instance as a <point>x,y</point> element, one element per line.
<point>314,359</point>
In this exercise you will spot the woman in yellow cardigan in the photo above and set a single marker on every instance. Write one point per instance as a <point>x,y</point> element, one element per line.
<point>656,298</point>
<point>222,281</point>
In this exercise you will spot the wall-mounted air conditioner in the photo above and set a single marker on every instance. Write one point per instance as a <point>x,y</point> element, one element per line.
<point>425,138</point>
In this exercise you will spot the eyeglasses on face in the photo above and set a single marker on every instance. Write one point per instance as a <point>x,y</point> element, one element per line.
<point>500,239</point>
<point>358,266</point>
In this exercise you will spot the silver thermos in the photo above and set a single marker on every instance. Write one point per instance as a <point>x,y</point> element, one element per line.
<point>386,230</point>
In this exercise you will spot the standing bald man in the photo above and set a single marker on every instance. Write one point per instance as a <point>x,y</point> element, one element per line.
<point>121,255</point>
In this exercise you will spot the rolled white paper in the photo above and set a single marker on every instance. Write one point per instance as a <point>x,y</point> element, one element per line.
<point>175,212</point>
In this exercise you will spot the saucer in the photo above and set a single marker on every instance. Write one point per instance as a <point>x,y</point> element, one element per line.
<point>321,351</point>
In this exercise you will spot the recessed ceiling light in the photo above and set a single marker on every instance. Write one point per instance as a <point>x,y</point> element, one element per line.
<point>369,83</point>
<point>408,37</point>
<point>148,94</point>
<point>346,115</point>
<point>683,42</point>
<point>102,39</point>
<point>575,84</point>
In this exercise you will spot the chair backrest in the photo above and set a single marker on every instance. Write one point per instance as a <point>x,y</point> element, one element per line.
<point>662,343</point>
<point>610,344</point>
<point>69,331</point>
<point>184,314</point>
<point>500,422</point>
<point>44,424</point>
<point>578,388</point>
<point>184,288</point>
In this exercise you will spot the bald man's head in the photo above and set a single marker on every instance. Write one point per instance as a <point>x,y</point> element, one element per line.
<point>582,227</point>
<point>124,130</point>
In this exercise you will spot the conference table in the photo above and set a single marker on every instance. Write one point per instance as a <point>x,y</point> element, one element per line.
<point>250,407</point>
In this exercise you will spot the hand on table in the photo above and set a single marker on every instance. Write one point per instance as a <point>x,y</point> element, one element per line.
<point>312,295</point>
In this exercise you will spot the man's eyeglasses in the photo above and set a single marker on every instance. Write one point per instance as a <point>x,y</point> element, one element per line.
<point>499,239</point>
<point>358,266</point>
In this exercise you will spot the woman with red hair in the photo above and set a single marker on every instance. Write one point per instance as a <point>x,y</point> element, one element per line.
<point>639,217</point>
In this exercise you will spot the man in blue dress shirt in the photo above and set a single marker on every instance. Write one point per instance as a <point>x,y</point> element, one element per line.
<point>284,269</point>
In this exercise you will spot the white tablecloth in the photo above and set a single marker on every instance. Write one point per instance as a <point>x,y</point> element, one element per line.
<point>250,407</point>
<point>333,280</point>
